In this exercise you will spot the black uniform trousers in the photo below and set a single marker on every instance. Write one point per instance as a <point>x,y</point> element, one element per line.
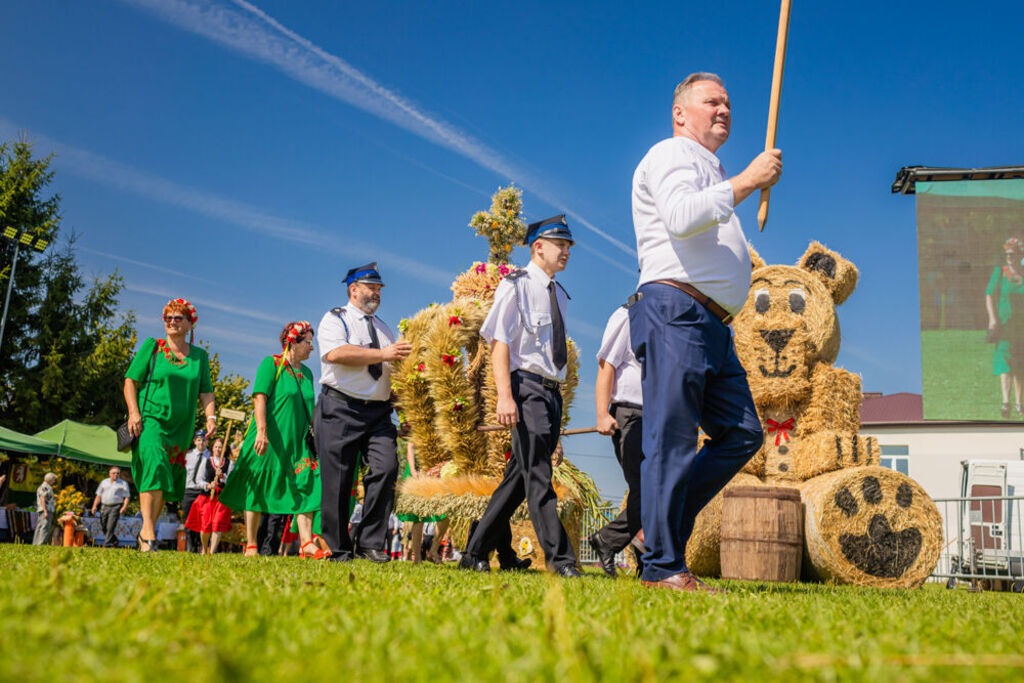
<point>628,443</point>
<point>528,475</point>
<point>346,427</point>
<point>109,515</point>
<point>192,540</point>
<point>269,533</point>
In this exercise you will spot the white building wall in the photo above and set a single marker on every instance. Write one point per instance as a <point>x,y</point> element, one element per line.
<point>936,451</point>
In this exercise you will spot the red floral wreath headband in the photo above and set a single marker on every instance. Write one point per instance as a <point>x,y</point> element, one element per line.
<point>190,310</point>
<point>297,332</point>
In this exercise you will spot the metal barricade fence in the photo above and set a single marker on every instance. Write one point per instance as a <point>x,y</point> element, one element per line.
<point>594,519</point>
<point>982,540</point>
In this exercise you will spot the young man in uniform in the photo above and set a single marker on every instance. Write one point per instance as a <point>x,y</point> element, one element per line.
<point>526,330</point>
<point>619,399</point>
<point>353,416</point>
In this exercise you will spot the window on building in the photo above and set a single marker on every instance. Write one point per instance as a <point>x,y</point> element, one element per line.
<point>896,458</point>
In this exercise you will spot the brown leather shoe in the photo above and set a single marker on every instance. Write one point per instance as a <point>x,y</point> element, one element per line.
<point>683,581</point>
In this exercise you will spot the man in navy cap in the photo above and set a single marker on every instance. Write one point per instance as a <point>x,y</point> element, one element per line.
<point>694,277</point>
<point>526,330</point>
<point>353,416</point>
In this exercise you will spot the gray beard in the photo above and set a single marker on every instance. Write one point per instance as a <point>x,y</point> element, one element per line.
<point>369,306</point>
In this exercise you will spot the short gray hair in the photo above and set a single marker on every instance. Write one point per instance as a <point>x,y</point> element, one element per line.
<point>50,478</point>
<point>683,88</point>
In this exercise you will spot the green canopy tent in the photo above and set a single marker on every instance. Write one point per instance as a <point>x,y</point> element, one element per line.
<point>88,443</point>
<point>17,442</point>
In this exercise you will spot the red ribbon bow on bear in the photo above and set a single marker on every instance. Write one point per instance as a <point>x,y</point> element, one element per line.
<point>780,428</point>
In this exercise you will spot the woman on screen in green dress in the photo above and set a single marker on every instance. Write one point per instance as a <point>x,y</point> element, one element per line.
<point>275,471</point>
<point>1004,301</point>
<point>161,387</point>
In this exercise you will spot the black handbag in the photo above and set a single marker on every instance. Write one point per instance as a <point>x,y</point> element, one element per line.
<point>125,440</point>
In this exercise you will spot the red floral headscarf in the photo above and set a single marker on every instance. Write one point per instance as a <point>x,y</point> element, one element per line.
<point>295,332</point>
<point>1013,244</point>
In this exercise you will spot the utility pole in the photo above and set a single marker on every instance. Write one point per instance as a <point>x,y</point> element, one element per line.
<point>28,239</point>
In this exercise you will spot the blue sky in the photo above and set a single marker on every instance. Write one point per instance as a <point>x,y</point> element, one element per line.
<point>246,155</point>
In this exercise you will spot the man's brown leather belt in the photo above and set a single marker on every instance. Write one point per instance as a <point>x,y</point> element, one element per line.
<point>705,301</point>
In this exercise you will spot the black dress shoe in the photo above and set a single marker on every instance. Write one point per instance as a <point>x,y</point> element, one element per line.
<point>514,564</point>
<point>471,563</point>
<point>568,571</point>
<point>373,555</point>
<point>605,555</point>
<point>340,557</point>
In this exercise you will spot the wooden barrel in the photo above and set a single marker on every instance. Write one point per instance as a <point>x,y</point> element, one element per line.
<point>762,533</point>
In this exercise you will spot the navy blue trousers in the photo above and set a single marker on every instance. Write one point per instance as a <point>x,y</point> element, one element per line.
<point>691,378</point>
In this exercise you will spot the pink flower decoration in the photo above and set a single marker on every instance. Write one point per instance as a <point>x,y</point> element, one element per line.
<point>481,268</point>
<point>503,270</point>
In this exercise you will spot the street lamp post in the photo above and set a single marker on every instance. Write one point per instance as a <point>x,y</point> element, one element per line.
<point>29,240</point>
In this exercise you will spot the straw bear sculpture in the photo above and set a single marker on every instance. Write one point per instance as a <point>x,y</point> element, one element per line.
<point>864,524</point>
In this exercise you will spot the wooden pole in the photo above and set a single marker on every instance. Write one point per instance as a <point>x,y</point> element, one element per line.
<point>773,106</point>
<point>565,432</point>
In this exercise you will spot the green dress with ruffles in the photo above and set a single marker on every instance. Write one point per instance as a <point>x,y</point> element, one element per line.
<point>286,479</point>
<point>167,403</point>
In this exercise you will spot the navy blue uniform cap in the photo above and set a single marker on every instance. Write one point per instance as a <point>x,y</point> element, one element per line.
<point>367,274</point>
<point>554,228</point>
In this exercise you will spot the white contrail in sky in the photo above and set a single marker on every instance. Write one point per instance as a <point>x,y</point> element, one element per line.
<point>167,293</point>
<point>94,167</point>
<point>252,32</point>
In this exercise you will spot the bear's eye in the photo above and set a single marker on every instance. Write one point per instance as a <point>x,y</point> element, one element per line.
<point>762,301</point>
<point>797,301</point>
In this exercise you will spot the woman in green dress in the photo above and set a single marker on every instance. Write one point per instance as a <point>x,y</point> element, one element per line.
<point>275,472</point>
<point>1004,302</point>
<point>173,374</point>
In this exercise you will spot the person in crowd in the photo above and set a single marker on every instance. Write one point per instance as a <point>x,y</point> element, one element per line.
<point>271,530</point>
<point>353,416</point>
<point>1004,302</point>
<point>163,383</point>
<point>46,508</point>
<point>209,516</point>
<point>113,495</point>
<point>526,330</point>
<point>694,276</point>
<point>276,473</point>
<point>394,537</point>
<point>620,415</point>
<point>412,523</point>
<point>195,485</point>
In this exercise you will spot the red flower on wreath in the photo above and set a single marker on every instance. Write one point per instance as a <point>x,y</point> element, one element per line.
<point>448,359</point>
<point>421,367</point>
<point>458,404</point>
<point>503,270</point>
<point>508,454</point>
<point>454,320</point>
<point>481,268</point>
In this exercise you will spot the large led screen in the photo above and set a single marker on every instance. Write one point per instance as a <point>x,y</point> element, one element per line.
<point>971,267</point>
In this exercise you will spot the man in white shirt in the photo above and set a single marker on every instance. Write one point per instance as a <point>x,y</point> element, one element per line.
<point>526,330</point>
<point>619,400</point>
<point>353,416</point>
<point>195,485</point>
<point>113,494</point>
<point>694,276</point>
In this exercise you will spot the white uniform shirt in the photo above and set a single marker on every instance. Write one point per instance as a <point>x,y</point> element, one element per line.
<point>195,469</point>
<point>616,351</point>
<point>353,380</point>
<point>686,229</point>
<point>521,318</point>
<point>112,492</point>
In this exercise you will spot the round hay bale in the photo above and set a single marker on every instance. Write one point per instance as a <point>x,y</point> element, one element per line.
<point>702,550</point>
<point>870,526</point>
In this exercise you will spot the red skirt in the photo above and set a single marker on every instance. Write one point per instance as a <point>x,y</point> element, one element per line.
<point>207,516</point>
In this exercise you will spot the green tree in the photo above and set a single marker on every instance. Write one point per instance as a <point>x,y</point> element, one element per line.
<point>66,347</point>
<point>26,207</point>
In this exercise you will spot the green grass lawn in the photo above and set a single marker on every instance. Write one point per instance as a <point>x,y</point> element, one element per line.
<point>957,376</point>
<point>93,614</point>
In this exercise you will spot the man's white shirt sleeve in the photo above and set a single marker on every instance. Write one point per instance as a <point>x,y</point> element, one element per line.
<point>502,322</point>
<point>685,208</point>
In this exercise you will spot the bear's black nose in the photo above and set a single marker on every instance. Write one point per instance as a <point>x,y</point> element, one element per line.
<point>777,339</point>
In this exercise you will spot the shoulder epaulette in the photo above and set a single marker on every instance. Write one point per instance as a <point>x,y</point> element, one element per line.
<point>516,274</point>
<point>338,311</point>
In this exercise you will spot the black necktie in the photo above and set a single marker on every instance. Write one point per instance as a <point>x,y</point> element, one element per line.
<point>561,353</point>
<point>376,369</point>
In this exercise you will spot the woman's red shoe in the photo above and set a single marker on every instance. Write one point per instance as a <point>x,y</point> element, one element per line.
<point>251,551</point>
<point>317,553</point>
